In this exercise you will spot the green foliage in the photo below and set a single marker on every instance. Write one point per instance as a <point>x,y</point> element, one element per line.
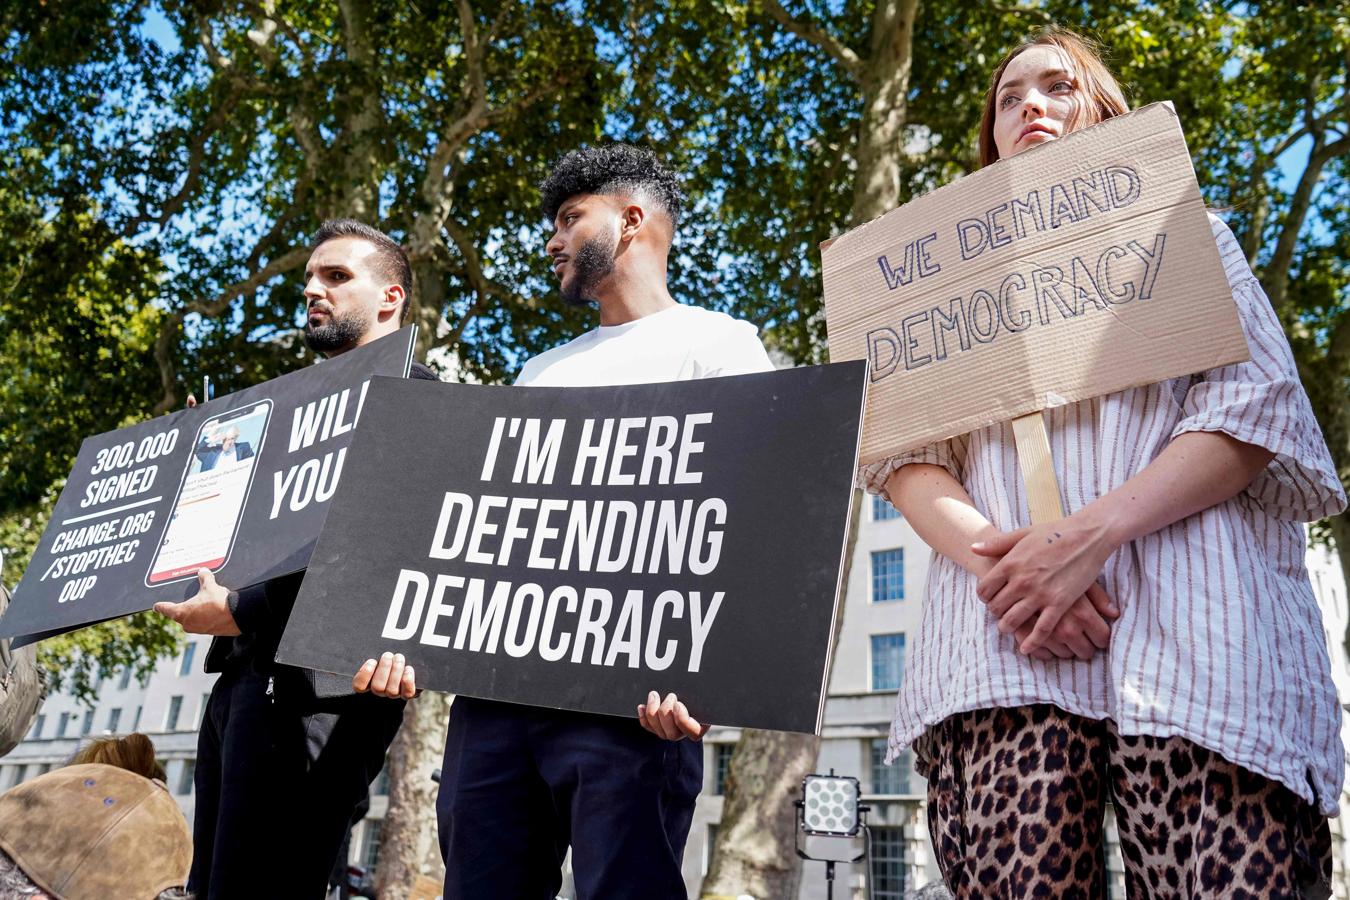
<point>163,164</point>
<point>768,120</point>
<point>76,661</point>
<point>157,185</point>
<point>77,330</point>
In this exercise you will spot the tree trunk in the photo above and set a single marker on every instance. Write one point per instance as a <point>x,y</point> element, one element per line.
<point>408,846</point>
<point>359,160</point>
<point>1275,279</point>
<point>426,302</point>
<point>885,89</point>
<point>754,854</point>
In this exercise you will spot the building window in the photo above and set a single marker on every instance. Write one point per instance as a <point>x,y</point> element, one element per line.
<point>61,724</point>
<point>125,680</point>
<point>201,710</point>
<point>114,719</point>
<point>888,863</point>
<point>882,511</point>
<point>888,661</point>
<point>721,763</point>
<point>136,722</point>
<point>88,724</point>
<point>370,845</point>
<point>892,779</point>
<point>381,788</point>
<point>38,725</point>
<point>710,846</point>
<point>185,667</point>
<point>888,575</point>
<point>175,708</point>
<point>186,775</point>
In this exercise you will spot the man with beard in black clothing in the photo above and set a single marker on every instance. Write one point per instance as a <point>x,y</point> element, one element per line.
<point>286,755</point>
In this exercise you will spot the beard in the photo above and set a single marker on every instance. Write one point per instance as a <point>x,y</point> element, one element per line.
<point>590,265</point>
<point>341,333</point>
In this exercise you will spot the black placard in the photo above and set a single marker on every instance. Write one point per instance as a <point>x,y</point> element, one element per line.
<point>239,485</point>
<point>698,551</point>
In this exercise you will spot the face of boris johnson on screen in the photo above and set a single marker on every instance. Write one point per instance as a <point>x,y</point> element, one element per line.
<point>343,291</point>
<point>1037,100</point>
<point>584,242</point>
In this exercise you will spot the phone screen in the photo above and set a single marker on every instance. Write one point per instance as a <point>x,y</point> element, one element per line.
<point>211,495</point>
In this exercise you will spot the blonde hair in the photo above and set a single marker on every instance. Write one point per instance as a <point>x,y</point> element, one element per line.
<point>133,752</point>
<point>1093,80</point>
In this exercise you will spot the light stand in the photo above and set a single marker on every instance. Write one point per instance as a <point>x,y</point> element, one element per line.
<point>830,823</point>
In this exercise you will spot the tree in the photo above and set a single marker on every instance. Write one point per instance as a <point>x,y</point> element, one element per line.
<point>775,205</point>
<point>1303,272</point>
<point>76,335</point>
<point>754,852</point>
<point>408,845</point>
<point>439,141</point>
<point>211,139</point>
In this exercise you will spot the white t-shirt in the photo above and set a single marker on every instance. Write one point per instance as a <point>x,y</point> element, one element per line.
<point>675,344</point>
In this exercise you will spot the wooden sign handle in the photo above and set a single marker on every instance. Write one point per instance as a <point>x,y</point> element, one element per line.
<point>1038,470</point>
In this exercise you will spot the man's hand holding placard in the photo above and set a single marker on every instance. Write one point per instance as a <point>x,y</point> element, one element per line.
<point>205,612</point>
<point>389,677</point>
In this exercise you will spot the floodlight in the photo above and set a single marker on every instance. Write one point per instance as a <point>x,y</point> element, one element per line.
<point>830,805</point>
<point>831,824</point>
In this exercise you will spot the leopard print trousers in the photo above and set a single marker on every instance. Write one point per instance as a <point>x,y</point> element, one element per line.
<point>1016,800</point>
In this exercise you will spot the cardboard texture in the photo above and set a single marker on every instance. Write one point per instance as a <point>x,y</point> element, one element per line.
<point>1079,268</point>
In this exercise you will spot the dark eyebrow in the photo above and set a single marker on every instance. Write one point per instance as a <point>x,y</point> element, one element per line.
<point>567,207</point>
<point>1047,74</point>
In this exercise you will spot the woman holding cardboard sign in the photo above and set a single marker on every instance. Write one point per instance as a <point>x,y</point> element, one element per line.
<point>1209,718</point>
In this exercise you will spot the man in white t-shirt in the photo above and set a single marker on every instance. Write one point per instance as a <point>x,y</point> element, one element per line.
<point>520,784</point>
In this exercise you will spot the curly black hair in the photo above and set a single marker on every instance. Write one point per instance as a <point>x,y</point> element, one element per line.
<point>610,169</point>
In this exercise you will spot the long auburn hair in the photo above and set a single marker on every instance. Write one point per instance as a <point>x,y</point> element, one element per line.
<point>1094,80</point>
<point>134,752</point>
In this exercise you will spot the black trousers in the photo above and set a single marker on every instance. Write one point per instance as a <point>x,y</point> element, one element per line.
<point>277,784</point>
<point>520,784</point>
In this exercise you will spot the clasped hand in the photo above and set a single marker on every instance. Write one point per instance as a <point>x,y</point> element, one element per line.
<point>1043,588</point>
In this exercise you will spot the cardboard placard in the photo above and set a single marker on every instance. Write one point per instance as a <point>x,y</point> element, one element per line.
<point>576,548</point>
<point>1077,268</point>
<point>239,485</point>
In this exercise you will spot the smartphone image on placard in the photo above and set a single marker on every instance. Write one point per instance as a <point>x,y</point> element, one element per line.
<point>211,496</point>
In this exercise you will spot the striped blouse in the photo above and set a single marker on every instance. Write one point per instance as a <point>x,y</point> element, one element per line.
<point>1220,638</point>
